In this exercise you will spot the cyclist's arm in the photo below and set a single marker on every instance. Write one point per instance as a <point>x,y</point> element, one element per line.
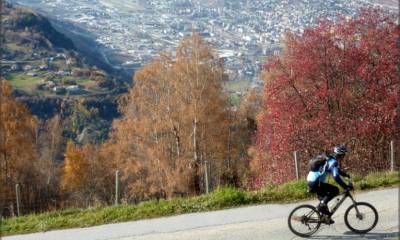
<point>343,173</point>
<point>336,173</point>
<point>338,179</point>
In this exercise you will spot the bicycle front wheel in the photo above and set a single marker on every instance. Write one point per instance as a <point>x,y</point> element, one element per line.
<point>304,220</point>
<point>361,217</point>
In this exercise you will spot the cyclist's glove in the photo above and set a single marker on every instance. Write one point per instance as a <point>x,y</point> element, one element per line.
<point>350,187</point>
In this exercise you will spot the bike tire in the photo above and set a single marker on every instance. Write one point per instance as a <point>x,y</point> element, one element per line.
<point>311,210</point>
<point>365,205</point>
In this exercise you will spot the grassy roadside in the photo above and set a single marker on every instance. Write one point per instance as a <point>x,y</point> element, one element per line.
<point>222,198</point>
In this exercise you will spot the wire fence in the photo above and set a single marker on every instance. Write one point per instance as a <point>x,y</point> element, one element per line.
<point>387,163</point>
<point>20,202</point>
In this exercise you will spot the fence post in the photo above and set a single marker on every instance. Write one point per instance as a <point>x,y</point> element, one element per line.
<point>116,187</point>
<point>392,155</point>
<point>206,177</point>
<point>296,164</point>
<point>17,193</point>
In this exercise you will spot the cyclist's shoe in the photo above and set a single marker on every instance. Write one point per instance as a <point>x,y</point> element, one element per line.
<point>322,208</point>
<point>327,219</point>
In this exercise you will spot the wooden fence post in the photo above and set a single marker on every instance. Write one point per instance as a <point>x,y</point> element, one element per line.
<point>116,187</point>
<point>296,164</point>
<point>18,198</point>
<point>206,177</point>
<point>392,155</point>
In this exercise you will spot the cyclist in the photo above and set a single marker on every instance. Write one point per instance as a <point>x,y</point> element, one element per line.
<point>317,177</point>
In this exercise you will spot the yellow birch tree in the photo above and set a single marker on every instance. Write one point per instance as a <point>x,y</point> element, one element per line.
<point>175,119</point>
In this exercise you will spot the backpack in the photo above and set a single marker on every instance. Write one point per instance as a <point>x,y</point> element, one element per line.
<point>317,162</point>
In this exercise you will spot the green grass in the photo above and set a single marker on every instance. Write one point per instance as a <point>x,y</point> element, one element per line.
<point>79,81</point>
<point>243,85</point>
<point>23,81</point>
<point>84,82</point>
<point>234,99</point>
<point>28,83</point>
<point>16,47</point>
<point>226,197</point>
<point>236,86</point>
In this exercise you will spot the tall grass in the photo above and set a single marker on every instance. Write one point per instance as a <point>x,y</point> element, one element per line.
<point>224,197</point>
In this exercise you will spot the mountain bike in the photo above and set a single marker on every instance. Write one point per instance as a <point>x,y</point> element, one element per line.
<point>360,217</point>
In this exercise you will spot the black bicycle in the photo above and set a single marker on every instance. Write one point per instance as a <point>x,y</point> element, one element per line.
<point>360,217</point>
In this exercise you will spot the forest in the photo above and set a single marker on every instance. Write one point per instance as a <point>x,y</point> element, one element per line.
<point>178,134</point>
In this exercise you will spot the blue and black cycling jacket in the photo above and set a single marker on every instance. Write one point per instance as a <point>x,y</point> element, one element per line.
<point>331,167</point>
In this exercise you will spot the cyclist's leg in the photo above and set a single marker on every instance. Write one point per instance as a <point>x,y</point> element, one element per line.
<point>329,191</point>
<point>326,192</point>
<point>315,187</point>
<point>322,196</point>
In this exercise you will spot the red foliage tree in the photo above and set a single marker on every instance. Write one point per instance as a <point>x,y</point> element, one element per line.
<point>336,83</point>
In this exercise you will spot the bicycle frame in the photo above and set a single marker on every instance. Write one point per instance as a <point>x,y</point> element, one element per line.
<point>346,194</point>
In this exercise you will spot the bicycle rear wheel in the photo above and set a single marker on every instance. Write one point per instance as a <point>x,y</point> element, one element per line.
<point>304,220</point>
<point>361,217</point>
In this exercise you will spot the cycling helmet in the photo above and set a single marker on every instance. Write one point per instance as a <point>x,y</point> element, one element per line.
<point>340,150</point>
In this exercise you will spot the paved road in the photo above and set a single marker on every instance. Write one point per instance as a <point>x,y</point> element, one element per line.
<point>252,223</point>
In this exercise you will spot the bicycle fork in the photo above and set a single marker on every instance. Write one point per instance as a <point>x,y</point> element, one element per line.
<point>358,214</point>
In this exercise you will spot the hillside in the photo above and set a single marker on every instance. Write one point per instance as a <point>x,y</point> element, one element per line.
<point>50,75</point>
<point>38,60</point>
<point>25,30</point>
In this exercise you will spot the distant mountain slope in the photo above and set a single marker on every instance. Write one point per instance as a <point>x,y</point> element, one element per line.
<point>86,45</point>
<point>47,71</point>
<point>26,30</point>
<point>32,37</point>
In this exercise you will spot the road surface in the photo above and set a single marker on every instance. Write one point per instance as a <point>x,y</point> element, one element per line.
<point>246,223</point>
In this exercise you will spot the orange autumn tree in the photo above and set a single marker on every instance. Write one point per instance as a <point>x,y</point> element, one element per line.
<point>18,156</point>
<point>174,120</point>
<point>246,129</point>
<point>88,174</point>
<point>100,180</point>
<point>74,169</point>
